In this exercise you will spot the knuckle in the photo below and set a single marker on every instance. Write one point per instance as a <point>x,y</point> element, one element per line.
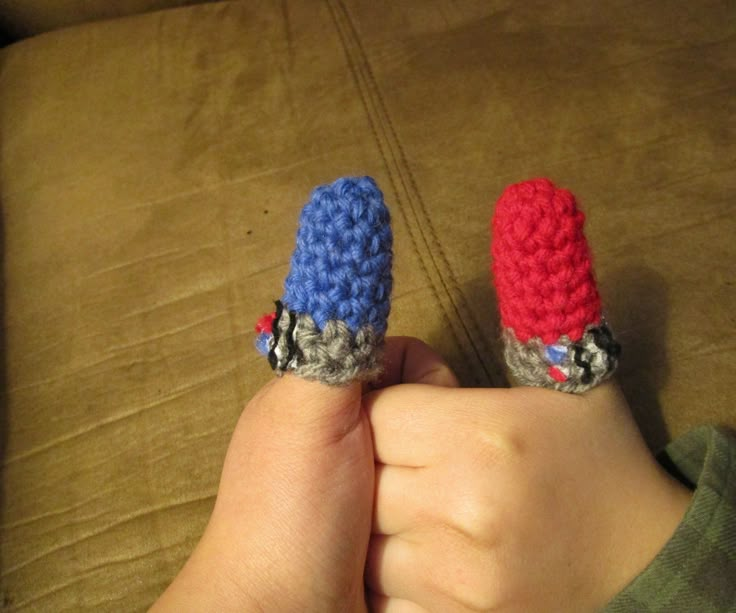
<point>464,570</point>
<point>473,592</point>
<point>476,515</point>
<point>493,446</point>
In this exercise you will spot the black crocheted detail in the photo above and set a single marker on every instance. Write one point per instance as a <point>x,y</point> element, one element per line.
<point>290,344</point>
<point>272,359</point>
<point>584,364</point>
<point>603,338</point>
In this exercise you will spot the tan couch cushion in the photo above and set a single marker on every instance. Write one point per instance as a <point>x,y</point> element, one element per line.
<point>151,174</point>
<point>21,18</point>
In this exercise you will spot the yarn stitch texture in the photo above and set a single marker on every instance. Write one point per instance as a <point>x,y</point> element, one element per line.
<point>332,319</point>
<point>554,333</point>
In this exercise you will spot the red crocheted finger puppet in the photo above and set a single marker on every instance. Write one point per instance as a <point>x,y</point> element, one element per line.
<point>554,333</point>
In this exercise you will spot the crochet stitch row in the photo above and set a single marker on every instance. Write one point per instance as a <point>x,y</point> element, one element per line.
<point>333,354</point>
<point>566,366</point>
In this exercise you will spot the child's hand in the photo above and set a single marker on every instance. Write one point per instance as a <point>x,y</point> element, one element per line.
<point>291,523</point>
<point>511,500</point>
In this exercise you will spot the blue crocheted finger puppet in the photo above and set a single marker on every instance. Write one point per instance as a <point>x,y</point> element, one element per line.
<point>330,323</point>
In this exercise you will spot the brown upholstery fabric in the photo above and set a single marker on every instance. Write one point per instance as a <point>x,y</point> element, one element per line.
<point>151,174</point>
<point>21,18</point>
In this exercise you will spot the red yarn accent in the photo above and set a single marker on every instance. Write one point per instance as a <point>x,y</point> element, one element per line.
<point>557,374</point>
<point>541,263</point>
<point>265,323</point>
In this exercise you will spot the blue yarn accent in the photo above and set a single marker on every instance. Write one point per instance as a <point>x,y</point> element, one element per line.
<point>341,267</point>
<point>555,354</point>
<point>262,343</point>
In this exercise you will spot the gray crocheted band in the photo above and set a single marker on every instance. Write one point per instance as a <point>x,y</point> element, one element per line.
<point>335,355</point>
<point>565,366</point>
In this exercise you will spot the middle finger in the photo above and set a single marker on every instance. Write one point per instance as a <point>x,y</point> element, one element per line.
<point>403,499</point>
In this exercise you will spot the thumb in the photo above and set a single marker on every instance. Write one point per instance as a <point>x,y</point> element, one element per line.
<point>310,410</point>
<point>554,331</point>
<point>327,333</point>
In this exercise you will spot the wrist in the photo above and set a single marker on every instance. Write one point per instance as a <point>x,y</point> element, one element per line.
<point>643,527</point>
<point>633,505</point>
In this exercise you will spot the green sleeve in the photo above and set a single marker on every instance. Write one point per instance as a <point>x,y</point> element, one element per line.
<point>696,570</point>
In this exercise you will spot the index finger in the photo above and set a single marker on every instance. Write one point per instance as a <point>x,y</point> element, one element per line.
<point>410,360</point>
<point>415,425</point>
